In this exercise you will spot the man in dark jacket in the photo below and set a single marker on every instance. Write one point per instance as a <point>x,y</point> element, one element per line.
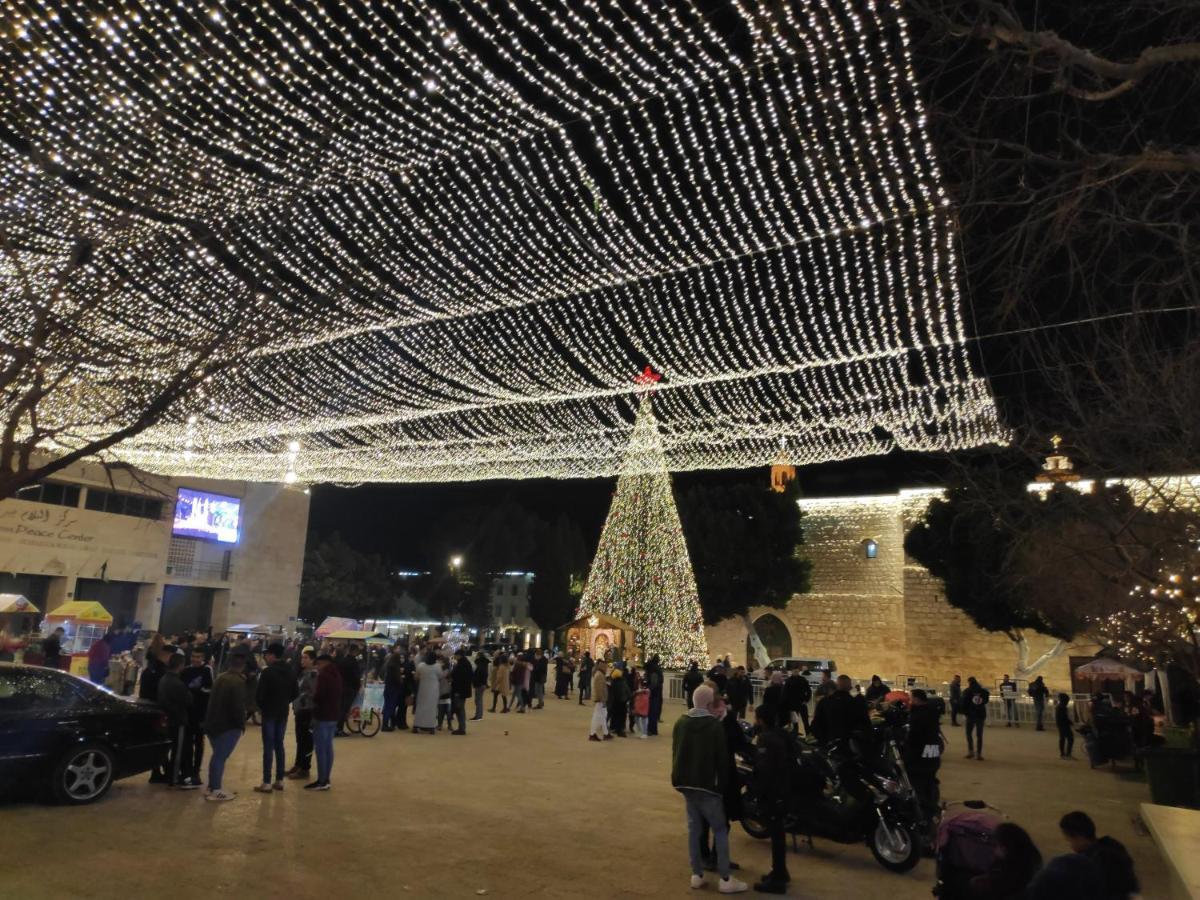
<point>1039,692</point>
<point>796,694</point>
<point>654,681</point>
<point>772,788</point>
<point>923,752</point>
<point>225,722</point>
<point>841,715</point>
<point>176,701</point>
<point>327,712</point>
<point>350,669</point>
<point>479,683</point>
<point>1108,854</point>
<point>699,769</point>
<point>541,666</point>
<point>974,709</point>
<point>692,679</point>
<point>618,702</point>
<point>585,683</point>
<point>52,650</point>
<point>461,678</point>
<point>393,686</point>
<point>277,688</point>
<point>955,699</point>
<point>198,677</point>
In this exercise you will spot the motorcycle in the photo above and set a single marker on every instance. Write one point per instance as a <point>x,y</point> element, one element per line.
<point>845,795</point>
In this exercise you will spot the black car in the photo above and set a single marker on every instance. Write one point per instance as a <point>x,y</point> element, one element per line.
<point>64,735</point>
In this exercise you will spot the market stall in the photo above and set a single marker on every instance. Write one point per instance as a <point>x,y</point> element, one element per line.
<point>366,714</point>
<point>83,623</point>
<point>336,623</point>
<point>18,618</point>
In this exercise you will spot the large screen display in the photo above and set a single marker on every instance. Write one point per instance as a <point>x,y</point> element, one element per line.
<point>209,517</point>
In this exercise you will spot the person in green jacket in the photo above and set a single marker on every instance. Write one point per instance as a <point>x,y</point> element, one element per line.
<point>225,722</point>
<point>699,768</point>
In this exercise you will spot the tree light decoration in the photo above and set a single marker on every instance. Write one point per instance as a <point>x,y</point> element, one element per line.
<point>448,227</point>
<point>1160,623</point>
<point>642,573</point>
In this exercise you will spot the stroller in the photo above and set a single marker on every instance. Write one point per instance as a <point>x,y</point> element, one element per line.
<point>964,848</point>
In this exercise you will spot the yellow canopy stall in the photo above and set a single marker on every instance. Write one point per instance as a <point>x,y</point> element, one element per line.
<point>83,622</point>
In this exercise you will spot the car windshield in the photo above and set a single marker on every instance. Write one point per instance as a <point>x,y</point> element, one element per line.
<point>33,688</point>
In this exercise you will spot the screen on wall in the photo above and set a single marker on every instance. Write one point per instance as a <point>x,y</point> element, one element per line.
<point>209,517</point>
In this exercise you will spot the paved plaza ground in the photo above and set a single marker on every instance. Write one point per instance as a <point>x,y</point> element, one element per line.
<point>522,806</point>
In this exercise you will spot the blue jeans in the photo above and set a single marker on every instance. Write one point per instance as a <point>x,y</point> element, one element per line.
<point>222,746</point>
<point>391,700</point>
<point>707,809</point>
<point>323,744</point>
<point>273,731</point>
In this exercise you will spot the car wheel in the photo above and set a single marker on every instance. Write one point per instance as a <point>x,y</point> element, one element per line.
<point>84,774</point>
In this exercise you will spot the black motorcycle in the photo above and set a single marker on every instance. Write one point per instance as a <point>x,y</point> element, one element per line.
<point>847,794</point>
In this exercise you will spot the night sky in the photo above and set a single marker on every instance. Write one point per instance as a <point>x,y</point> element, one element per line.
<point>392,519</point>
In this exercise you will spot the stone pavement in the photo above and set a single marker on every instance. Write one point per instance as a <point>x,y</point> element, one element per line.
<point>523,805</point>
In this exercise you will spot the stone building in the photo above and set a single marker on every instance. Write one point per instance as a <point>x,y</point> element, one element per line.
<point>82,535</point>
<point>873,610</point>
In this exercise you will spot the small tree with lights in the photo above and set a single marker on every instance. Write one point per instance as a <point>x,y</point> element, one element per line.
<point>642,573</point>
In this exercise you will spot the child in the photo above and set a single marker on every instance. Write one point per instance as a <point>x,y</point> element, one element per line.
<point>641,709</point>
<point>1066,737</point>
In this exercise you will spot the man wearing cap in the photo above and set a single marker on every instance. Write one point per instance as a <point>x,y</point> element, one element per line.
<point>327,711</point>
<point>276,690</point>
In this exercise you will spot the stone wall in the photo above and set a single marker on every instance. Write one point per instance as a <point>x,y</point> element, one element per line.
<point>884,615</point>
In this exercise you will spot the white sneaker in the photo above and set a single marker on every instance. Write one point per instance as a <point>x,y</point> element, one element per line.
<point>264,788</point>
<point>220,795</point>
<point>698,881</point>
<point>732,886</point>
<point>643,736</point>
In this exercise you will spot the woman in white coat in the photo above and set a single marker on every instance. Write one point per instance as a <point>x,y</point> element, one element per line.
<point>425,706</point>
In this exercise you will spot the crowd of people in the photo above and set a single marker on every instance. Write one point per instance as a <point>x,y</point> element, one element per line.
<point>708,738</point>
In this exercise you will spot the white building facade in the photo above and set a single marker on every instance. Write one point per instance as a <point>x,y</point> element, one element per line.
<point>83,535</point>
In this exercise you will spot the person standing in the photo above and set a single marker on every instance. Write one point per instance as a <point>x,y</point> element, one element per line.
<point>480,683</point>
<point>599,695</point>
<point>841,715</point>
<point>1008,692</point>
<point>199,680</point>
<point>561,677</point>
<point>1039,692</point>
<point>351,676</point>
<point>877,689</point>
<point>796,694</point>
<point>923,752</point>
<point>641,710</point>
<point>618,701</point>
<point>955,699</point>
<point>654,681</point>
<point>224,723</point>
<point>306,689</point>
<point>152,673</point>
<point>974,709</point>
<point>97,660</point>
<point>462,677</point>
<point>499,681</point>
<point>585,677</point>
<point>425,707</point>
<point>737,692</point>
<point>276,690</point>
<point>826,688</point>
<point>328,696</point>
<point>393,686</point>
<point>692,679</point>
<point>52,651</point>
<point>541,666</point>
<point>176,701</point>
<point>518,678</point>
<point>772,787</point>
<point>699,768</point>
<point>1062,720</point>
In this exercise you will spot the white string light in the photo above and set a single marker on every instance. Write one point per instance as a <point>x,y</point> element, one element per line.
<point>446,240</point>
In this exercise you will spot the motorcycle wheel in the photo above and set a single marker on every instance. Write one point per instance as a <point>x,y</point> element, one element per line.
<point>752,824</point>
<point>900,853</point>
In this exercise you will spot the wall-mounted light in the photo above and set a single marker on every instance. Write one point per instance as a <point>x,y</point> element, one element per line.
<point>870,548</point>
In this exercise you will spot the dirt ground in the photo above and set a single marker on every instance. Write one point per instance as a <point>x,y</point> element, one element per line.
<point>523,805</point>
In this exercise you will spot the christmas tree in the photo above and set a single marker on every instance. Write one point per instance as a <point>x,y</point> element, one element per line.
<point>642,573</point>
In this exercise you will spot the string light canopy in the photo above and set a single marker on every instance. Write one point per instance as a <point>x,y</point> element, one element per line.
<point>436,240</point>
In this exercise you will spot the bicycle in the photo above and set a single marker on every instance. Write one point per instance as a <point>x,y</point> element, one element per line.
<point>367,724</point>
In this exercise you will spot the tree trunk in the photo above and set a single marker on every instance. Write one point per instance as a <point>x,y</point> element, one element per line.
<point>1026,669</point>
<point>760,650</point>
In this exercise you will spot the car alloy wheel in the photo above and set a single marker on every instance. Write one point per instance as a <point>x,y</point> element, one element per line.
<point>85,776</point>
